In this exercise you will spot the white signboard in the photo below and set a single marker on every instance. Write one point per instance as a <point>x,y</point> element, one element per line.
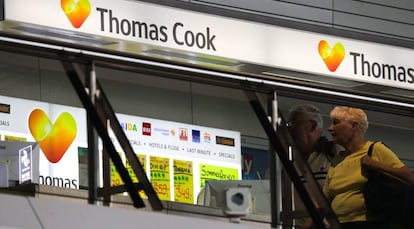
<point>178,141</point>
<point>59,131</point>
<point>246,41</point>
<point>61,135</point>
<point>26,165</point>
<point>20,163</point>
<point>183,141</point>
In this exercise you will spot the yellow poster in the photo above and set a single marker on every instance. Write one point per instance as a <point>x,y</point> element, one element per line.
<point>116,179</point>
<point>14,138</point>
<point>212,172</point>
<point>160,176</point>
<point>183,181</point>
<point>142,159</point>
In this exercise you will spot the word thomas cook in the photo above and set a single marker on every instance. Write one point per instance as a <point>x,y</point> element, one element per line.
<point>109,22</point>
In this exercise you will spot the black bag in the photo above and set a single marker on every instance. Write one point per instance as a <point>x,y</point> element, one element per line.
<point>389,197</point>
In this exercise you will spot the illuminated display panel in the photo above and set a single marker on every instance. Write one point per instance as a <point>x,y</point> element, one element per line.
<point>177,157</point>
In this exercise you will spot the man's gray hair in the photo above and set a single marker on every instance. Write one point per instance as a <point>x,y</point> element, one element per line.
<point>308,111</point>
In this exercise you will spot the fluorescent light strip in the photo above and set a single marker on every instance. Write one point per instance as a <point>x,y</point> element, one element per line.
<point>209,72</point>
<point>196,58</point>
<point>400,92</point>
<point>63,35</point>
<point>321,80</point>
<point>32,43</point>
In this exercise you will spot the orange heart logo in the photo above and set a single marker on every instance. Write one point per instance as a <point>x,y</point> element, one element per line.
<point>76,10</point>
<point>331,56</point>
<point>55,138</point>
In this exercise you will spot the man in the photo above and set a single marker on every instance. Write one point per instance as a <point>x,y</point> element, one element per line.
<point>305,124</point>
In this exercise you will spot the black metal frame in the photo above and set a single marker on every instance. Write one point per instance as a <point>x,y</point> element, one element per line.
<point>280,141</point>
<point>99,112</point>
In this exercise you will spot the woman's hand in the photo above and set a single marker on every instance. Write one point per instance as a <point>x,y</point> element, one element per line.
<point>368,162</point>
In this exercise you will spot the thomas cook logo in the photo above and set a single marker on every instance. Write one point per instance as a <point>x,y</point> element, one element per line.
<point>77,11</point>
<point>54,138</point>
<point>331,56</point>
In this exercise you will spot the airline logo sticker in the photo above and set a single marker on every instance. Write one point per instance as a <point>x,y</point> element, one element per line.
<point>77,11</point>
<point>54,138</point>
<point>331,56</point>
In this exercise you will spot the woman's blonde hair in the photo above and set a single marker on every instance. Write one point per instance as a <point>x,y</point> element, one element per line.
<point>351,114</point>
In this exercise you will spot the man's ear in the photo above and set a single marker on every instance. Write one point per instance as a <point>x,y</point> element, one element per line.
<point>314,125</point>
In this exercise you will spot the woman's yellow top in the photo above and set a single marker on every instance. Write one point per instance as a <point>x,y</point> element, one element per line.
<point>345,182</point>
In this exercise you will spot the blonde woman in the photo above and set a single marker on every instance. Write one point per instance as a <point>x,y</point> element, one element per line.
<point>345,181</point>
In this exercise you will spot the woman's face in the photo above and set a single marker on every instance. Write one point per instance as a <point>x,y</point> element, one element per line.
<point>342,131</point>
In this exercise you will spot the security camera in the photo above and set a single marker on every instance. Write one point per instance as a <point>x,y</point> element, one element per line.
<point>238,201</point>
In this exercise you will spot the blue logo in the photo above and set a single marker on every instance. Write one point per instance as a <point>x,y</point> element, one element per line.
<point>196,136</point>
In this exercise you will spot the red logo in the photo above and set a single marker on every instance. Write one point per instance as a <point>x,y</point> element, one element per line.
<point>146,128</point>
<point>183,134</point>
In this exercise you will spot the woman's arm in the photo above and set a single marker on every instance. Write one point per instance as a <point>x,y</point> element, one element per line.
<point>403,173</point>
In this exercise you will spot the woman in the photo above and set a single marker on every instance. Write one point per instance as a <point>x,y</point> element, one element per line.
<point>345,181</point>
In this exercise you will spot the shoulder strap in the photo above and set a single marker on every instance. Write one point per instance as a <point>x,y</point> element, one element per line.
<point>370,149</point>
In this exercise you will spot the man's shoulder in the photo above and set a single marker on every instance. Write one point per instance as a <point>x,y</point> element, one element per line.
<point>318,161</point>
